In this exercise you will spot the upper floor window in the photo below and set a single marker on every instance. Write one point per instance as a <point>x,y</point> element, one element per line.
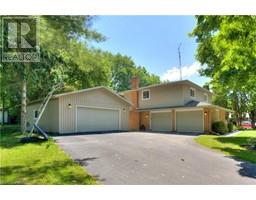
<point>36,114</point>
<point>206,97</point>
<point>192,92</point>
<point>145,94</point>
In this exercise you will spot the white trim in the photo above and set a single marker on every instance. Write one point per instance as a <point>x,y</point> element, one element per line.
<point>161,111</point>
<point>191,88</point>
<point>189,109</point>
<point>149,120</point>
<point>142,96</point>
<point>100,108</point>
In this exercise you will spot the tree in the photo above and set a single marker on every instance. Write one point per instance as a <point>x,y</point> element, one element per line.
<point>124,68</point>
<point>55,53</point>
<point>226,47</point>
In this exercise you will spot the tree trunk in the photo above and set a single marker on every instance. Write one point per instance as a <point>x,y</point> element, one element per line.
<point>23,119</point>
<point>3,108</point>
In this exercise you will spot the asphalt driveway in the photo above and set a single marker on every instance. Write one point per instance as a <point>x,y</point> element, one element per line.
<point>154,158</point>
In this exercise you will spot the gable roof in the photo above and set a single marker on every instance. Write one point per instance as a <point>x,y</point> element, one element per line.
<point>84,90</point>
<point>173,83</point>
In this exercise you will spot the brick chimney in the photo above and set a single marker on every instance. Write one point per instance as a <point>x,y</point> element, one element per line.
<point>135,82</point>
<point>133,114</point>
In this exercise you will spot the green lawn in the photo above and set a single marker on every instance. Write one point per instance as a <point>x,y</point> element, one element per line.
<point>231,145</point>
<point>37,163</point>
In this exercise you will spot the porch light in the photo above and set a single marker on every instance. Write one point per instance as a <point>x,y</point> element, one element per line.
<point>69,106</point>
<point>205,113</point>
<point>146,116</point>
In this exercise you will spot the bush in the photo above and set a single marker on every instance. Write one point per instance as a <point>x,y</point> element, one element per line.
<point>219,127</point>
<point>230,127</point>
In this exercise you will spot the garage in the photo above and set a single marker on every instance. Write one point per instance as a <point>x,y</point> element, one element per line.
<point>190,121</point>
<point>161,121</point>
<point>91,119</point>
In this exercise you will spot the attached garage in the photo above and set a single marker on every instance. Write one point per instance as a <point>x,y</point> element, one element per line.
<point>190,121</point>
<point>91,119</point>
<point>90,110</point>
<point>161,121</point>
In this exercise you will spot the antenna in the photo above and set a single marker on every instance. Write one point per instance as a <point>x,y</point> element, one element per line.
<point>180,61</point>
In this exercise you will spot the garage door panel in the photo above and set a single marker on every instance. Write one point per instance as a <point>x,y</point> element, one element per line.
<point>189,121</point>
<point>94,119</point>
<point>161,121</point>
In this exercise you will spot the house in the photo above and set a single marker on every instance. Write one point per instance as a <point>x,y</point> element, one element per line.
<point>180,106</point>
<point>3,119</point>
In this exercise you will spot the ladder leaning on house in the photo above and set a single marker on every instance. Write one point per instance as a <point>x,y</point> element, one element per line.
<point>42,109</point>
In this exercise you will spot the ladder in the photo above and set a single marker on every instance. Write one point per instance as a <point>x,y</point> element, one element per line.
<point>43,106</point>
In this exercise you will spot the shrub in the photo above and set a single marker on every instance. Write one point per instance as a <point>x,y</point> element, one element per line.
<point>219,127</point>
<point>230,127</point>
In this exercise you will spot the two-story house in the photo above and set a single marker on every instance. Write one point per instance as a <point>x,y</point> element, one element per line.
<point>180,106</point>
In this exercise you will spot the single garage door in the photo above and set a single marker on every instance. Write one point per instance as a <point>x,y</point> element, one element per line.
<point>189,121</point>
<point>97,119</point>
<point>161,121</point>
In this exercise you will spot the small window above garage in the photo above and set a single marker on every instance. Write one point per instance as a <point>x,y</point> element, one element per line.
<point>145,94</point>
<point>192,92</point>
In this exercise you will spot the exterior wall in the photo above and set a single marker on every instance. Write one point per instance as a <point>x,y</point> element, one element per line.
<point>50,118</point>
<point>217,115</point>
<point>144,119</point>
<point>134,115</point>
<point>199,94</point>
<point>170,95</point>
<point>166,95</point>
<point>96,98</point>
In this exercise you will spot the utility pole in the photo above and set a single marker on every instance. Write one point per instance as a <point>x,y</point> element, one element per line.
<point>180,61</point>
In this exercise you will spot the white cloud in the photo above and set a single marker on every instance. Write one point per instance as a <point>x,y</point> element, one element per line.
<point>173,74</point>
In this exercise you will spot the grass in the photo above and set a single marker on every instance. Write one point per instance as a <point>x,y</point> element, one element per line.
<point>37,163</point>
<point>231,146</point>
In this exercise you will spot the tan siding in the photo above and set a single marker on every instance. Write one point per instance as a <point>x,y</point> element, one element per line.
<point>50,118</point>
<point>97,98</point>
<point>199,94</point>
<point>167,95</point>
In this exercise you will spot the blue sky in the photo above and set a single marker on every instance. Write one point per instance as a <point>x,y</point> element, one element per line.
<point>152,41</point>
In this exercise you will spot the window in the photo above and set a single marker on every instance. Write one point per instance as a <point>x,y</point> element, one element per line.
<point>206,97</point>
<point>145,94</point>
<point>36,114</point>
<point>192,92</point>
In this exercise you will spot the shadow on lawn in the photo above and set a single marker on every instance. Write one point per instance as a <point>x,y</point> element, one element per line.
<point>10,140</point>
<point>246,168</point>
<point>57,172</point>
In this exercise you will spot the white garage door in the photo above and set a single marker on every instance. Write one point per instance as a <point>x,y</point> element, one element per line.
<point>97,119</point>
<point>161,121</point>
<point>189,121</point>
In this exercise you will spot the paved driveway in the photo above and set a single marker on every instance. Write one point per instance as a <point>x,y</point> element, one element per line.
<point>154,158</point>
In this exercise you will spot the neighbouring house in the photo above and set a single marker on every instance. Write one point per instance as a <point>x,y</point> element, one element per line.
<point>3,119</point>
<point>180,106</point>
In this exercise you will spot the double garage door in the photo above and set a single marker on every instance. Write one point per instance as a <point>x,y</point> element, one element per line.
<point>186,121</point>
<point>97,119</point>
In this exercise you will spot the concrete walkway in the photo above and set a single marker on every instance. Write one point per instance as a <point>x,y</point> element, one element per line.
<point>154,158</point>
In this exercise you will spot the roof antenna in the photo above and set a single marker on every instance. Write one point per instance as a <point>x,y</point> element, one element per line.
<point>180,61</point>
